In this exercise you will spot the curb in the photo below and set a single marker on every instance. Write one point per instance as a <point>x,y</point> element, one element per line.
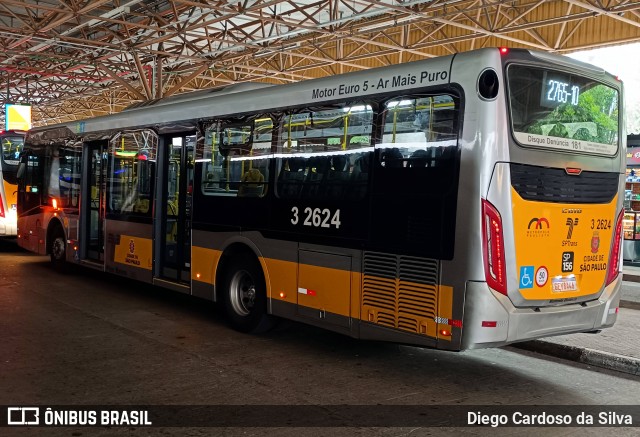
<point>630,304</point>
<point>591,357</point>
<point>630,277</point>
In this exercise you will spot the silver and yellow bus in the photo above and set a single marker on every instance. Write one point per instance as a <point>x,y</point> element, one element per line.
<point>11,146</point>
<point>466,201</point>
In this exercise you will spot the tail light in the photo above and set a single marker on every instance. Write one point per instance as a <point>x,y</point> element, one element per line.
<point>1,208</point>
<point>493,248</point>
<point>614,259</point>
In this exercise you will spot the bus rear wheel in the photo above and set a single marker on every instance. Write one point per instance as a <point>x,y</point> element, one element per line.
<point>245,296</point>
<point>58,249</point>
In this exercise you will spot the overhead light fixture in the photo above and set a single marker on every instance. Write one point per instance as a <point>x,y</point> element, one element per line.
<point>386,23</point>
<point>265,54</point>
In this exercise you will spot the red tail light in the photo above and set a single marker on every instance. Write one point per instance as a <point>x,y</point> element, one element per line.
<point>614,259</point>
<point>573,171</point>
<point>1,208</point>
<point>493,248</point>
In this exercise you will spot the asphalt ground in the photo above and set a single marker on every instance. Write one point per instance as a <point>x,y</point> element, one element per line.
<point>616,348</point>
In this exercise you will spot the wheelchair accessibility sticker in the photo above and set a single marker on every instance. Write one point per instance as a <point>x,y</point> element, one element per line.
<point>526,277</point>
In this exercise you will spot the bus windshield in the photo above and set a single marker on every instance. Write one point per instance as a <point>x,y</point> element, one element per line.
<point>11,148</point>
<point>558,110</point>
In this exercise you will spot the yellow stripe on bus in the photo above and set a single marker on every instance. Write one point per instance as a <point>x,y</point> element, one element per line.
<point>445,309</point>
<point>281,277</point>
<point>204,263</point>
<point>339,292</point>
<point>325,289</point>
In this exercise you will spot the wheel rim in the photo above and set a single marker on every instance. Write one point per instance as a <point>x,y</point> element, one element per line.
<point>242,293</point>
<point>57,248</point>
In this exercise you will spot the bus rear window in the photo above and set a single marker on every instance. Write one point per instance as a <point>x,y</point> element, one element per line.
<point>557,110</point>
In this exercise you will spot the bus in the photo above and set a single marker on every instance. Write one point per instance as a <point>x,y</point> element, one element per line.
<point>466,201</point>
<point>12,142</point>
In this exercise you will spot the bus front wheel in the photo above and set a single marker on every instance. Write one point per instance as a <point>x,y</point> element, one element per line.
<point>245,297</point>
<point>58,248</point>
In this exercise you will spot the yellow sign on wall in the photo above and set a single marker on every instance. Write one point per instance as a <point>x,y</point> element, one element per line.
<point>17,117</point>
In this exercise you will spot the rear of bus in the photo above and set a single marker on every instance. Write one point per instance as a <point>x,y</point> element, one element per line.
<point>12,143</point>
<point>551,215</point>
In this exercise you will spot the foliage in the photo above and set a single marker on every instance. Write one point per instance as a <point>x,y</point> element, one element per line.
<point>598,105</point>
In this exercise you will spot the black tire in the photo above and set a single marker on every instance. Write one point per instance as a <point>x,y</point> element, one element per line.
<point>245,296</point>
<point>58,249</point>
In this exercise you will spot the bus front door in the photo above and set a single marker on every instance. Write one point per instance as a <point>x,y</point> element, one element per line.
<point>93,205</point>
<point>175,235</point>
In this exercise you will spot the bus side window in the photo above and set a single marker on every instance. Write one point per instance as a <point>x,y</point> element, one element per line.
<point>421,158</point>
<point>65,174</point>
<point>420,129</point>
<point>236,158</point>
<point>62,174</point>
<point>291,178</point>
<point>252,183</point>
<point>315,177</point>
<point>131,172</point>
<point>360,175</point>
<point>338,176</point>
<point>31,181</point>
<point>419,140</point>
<point>324,145</point>
<point>392,158</point>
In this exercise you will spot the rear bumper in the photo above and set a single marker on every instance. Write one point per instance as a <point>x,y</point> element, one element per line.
<point>484,306</point>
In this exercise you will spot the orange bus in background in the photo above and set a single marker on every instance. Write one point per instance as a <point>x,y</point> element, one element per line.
<point>12,143</point>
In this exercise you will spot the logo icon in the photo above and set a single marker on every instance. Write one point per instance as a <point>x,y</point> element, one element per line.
<point>538,227</point>
<point>526,277</point>
<point>567,262</point>
<point>571,223</point>
<point>539,222</point>
<point>595,242</point>
<point>132,246</point>
<point>23,416</point>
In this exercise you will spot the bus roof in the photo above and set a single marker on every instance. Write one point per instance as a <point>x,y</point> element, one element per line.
<point>182,112</point>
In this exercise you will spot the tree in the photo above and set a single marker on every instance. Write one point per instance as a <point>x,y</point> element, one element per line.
<point>598,105</point>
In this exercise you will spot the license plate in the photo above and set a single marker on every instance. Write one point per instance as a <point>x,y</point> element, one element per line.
<point>564,284</point>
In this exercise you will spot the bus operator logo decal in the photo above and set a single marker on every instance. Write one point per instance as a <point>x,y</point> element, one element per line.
<point>538,227</point>
<point>571,223</point>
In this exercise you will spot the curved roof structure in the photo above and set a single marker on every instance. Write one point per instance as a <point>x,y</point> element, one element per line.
<point>73,59</point>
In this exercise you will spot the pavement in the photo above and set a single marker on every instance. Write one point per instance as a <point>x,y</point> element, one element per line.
<point>616,348</point>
